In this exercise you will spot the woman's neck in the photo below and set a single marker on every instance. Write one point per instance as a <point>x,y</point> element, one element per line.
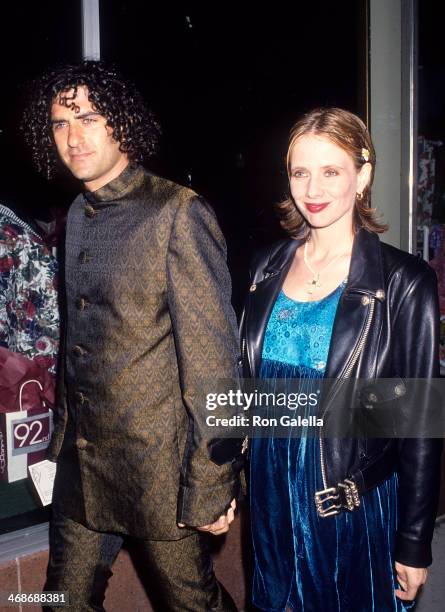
<point>328,241</point>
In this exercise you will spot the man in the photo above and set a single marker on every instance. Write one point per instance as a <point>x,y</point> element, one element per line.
<point>148,318</point>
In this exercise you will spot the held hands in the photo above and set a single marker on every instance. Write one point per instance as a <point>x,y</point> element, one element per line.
<point>222,524</point>
<point>410,579</point>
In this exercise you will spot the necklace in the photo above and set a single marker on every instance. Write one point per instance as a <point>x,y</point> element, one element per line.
<point>315,283</point>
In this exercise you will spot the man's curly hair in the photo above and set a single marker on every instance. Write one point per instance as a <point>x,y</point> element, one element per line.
<point>114,97</point>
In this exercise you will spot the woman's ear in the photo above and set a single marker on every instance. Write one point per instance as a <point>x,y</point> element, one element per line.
<point>363,177</point>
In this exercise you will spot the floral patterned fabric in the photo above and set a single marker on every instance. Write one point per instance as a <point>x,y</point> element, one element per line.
<point>29,317</point>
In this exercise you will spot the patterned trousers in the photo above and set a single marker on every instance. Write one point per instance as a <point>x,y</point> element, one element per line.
<point>181,571</point>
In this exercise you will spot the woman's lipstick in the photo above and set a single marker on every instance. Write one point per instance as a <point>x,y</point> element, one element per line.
<point>316,208</point>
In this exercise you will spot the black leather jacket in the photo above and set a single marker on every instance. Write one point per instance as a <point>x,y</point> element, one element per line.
<point>390,305</point>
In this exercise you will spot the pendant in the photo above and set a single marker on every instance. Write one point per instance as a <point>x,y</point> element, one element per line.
<point>314,284</point>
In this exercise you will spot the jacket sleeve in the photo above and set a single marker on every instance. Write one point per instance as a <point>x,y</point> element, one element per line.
<point>61,404</point>
<point>29,315</point>
<point>206,342</point>
<point>416,337</point>
<point>60,407</point>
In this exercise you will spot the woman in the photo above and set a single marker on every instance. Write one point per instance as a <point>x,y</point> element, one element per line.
<point>339,524</point>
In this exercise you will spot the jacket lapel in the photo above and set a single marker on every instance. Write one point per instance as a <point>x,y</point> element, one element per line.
<point>365,280</point>
<point>266,285</point>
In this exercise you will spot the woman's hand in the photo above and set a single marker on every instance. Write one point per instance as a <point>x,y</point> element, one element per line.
<point>410,579</point>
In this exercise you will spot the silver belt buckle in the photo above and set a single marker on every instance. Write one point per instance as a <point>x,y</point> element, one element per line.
<point>330,497</point>
<point>351,496</point>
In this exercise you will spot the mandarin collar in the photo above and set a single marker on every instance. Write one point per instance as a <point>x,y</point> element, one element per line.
<point>130,179</point>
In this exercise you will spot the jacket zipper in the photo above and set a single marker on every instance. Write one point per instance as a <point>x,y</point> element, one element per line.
<point>266,276</point>
<point>245,444</point>
<point>356,354</point>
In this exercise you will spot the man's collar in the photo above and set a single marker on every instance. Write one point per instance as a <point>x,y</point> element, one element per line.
<point>129,180</point>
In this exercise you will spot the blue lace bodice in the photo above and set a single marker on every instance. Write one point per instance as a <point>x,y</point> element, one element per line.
<point>299,333</point>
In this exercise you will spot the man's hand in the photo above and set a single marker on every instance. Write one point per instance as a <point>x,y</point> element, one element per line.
<point>222,524</point>
<point>410,579</point>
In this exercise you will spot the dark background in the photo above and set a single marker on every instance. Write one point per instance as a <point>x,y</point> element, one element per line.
<point>227,83</point>
<point>431,58</point>
<point>34,35</point>
<point>431,92</point>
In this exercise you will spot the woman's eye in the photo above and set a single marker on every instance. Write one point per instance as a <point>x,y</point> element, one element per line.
<point>331,172</point>
<point>298,173</point>
<point>88,120</point>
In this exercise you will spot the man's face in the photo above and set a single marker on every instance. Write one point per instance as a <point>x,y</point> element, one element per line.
<point>84,142</point>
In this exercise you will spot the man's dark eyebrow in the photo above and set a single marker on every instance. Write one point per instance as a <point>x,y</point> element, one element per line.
<point>80,116</point>
<point>87,114</point>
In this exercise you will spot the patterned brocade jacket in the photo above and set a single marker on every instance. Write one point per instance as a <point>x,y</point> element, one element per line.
<point>29,315</point>
<point>149,322</point>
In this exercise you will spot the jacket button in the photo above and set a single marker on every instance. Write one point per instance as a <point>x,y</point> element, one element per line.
<point>365,300</point>
<point>399,390</point>
<point>79,397</point>
<point>380,294</point>
<point>84,257</point>
<point>78,350</point>
<point>81,443</point>
<point>89,211</point>
<point>252,287</point>
<point>81,303</point>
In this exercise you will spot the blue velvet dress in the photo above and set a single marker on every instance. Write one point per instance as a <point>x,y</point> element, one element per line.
<point>302,561</point>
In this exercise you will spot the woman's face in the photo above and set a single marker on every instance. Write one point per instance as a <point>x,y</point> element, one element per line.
<point>324,181</point>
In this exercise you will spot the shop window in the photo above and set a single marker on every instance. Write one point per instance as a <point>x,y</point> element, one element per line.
<point>36,35</point>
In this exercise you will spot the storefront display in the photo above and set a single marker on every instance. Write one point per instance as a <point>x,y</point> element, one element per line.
<point>26,422</point>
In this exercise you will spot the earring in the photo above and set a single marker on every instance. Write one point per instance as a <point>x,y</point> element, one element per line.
<point>359,196</point>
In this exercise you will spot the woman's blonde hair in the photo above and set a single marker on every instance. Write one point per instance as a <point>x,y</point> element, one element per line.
<point>347,131</point>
